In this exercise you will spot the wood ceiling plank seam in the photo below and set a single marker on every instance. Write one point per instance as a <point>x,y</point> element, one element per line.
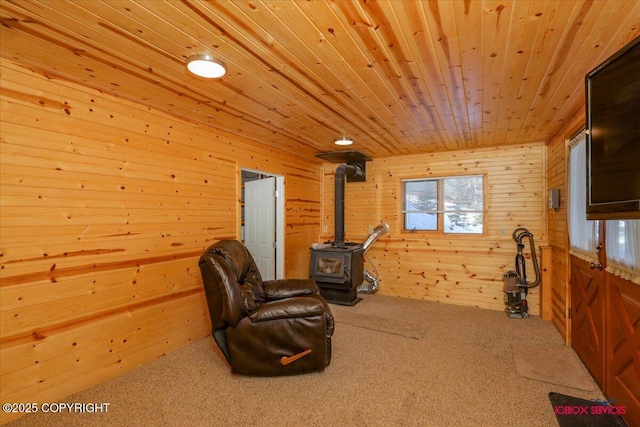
<point>108,67</point>
<point>370,44</point>
<point>399,20</point>
<point>518,43</point>
<point>421,74</point>
<point>263,103</point>
<point>586,57</point>
<point>297,28</point>
<point>310,114</point>
<point>257,134</point>
<point>497,38</point>
<point>291,137</point>
<point>575,102</point>
<point>75,17</point>
<point>447,54</point>
<point>106,129</point>
<point>467,105</point>
<point>244,90</point>
<point>352,81</point>
<point>440,18</point>
<point>579,12</point>
<point>468,29</point>
<point>354,77</point>
<point>553,89</point>
<point>58,56</point>
<point>545,37</point>
<point>315,96</point>
<point>369,70</point>
<point>298,50</point>
<point>383,44</point>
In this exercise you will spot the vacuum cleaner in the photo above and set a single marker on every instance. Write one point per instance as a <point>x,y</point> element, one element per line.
<point>516,285</point>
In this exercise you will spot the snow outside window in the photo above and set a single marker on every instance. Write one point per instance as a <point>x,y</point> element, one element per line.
<point>452,205</point>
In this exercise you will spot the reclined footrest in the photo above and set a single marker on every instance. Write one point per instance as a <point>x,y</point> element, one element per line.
<point>285,360</point>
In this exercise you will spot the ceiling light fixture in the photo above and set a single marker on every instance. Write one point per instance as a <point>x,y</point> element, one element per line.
<point>343,141</point>
<point>206,66</point>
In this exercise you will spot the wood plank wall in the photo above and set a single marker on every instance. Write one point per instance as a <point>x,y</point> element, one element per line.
<point>557,177</point>
<point>457,269</point>
<point>106,207</point>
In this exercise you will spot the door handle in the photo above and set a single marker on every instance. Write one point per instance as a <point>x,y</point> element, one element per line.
<point>596,266</point>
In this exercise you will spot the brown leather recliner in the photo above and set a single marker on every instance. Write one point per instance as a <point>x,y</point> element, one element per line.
<point>275,327</point>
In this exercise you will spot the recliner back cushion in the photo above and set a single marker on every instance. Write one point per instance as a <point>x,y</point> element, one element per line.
<point>244,268</point>
<point>231,295</point>
<point>252,292</point>
<point>210,279</point>
<point>236,255</point>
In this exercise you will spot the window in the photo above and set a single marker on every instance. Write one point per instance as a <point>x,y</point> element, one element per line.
<point>583,234</point>
<point>621,237</point>
<point>450,205</point>
<point>623,249</point>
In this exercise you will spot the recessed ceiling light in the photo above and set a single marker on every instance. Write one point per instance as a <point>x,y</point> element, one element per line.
<point>344,141</point>
<point>206,66</point>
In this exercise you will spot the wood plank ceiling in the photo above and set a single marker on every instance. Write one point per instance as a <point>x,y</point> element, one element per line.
<point>398,77</point>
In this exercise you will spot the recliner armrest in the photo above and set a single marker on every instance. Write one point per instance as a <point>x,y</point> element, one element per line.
<point>286,288</point>
<point>285,309</point>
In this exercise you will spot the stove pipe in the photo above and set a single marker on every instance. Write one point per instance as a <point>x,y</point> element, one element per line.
<point>343,171</point>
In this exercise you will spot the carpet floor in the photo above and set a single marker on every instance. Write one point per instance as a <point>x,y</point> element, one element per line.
<point>396,362</point>
<point>557,364</point>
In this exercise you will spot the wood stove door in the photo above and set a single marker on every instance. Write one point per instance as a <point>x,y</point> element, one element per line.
<point>330,267</point>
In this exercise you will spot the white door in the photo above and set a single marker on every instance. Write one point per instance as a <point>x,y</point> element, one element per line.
<point>260,221</point>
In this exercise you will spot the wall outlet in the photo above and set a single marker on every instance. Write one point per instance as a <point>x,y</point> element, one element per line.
<point>370,229</point>
<point>503,231</point>
<point>325,229</point>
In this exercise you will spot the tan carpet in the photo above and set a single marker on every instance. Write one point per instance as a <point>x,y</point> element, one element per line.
<point>379,315</point>
<point>460,373</point>
<point>557,364</point>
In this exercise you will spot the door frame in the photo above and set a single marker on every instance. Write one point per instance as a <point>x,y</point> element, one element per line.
<point>280,217</point>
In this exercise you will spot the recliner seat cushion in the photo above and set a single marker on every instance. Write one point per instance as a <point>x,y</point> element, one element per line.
<point>286,288</point>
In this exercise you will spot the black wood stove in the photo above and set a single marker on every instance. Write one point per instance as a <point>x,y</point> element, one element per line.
<point>337,267</point>
<point>338,272</point>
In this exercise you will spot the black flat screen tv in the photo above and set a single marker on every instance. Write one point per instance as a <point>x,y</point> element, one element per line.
<point>613,136</point>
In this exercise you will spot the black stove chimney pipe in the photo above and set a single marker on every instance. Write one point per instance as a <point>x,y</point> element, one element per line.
<point>344,170</point>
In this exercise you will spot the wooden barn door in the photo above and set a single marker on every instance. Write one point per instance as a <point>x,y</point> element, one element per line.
<point>605,309</point>
<point>605,330</point>
<point>622,355</point>
<point>587,315</point>
<point>587,267</point>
